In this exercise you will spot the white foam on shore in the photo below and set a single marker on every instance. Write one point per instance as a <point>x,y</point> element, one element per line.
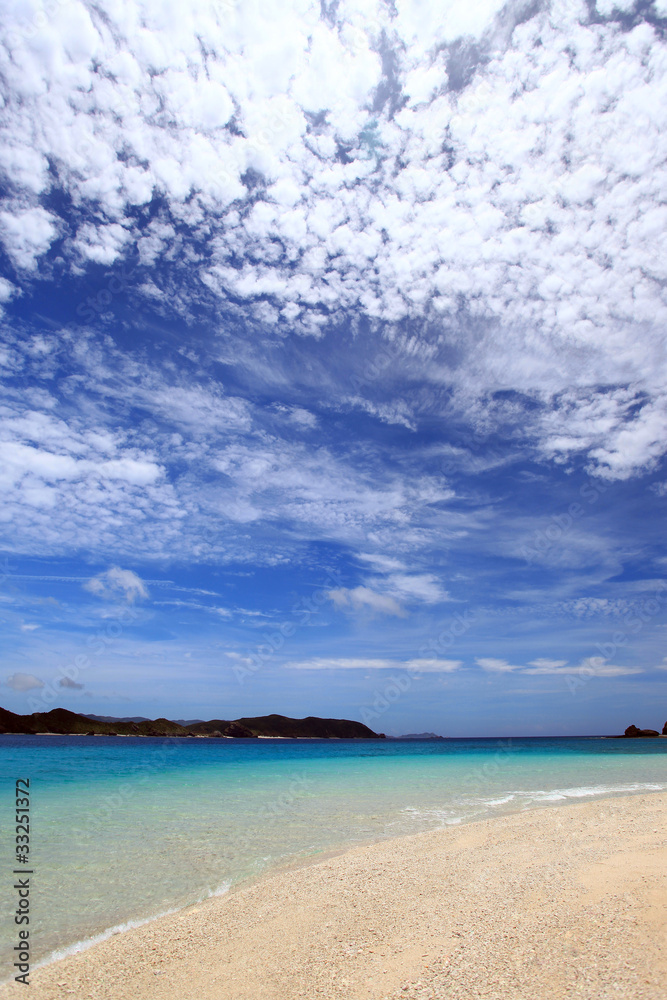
<point>524,799</point>
<point>585,792</point>
<point>86,943</point>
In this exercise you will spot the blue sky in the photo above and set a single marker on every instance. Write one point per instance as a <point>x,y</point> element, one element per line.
<point>333,360</point>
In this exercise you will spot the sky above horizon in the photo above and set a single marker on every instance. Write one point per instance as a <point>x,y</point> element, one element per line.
<point>333,360</point>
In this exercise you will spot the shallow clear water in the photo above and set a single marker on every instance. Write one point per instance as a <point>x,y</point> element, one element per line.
<point>124,829</point>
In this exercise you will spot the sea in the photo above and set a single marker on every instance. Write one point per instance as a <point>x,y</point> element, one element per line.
<point>125,829</point>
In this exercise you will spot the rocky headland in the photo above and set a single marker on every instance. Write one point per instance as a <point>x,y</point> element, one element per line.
<point>632,732</point>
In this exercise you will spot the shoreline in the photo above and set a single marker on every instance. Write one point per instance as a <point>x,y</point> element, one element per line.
<point>370,739</point>
<point>268,938</point>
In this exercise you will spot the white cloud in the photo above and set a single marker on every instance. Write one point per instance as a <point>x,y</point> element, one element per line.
<point>389,413</point>
<point>591,666</point>
<point>423,587</point>
<point>117,582</point>
<point>343,663</point>
<point>221,612</point>
<point>27,233</point>
<point>434,666</point>
<point>24,682</point>
<point>166,463</point>
<point>7,290</point>
<point>61,453</point>
<point>58,467</point>
<point>363,598</point>
<point>298,416</point>
<point>545,665</point>
<point>496,666</point>
<point>382,563</point>
<point>393,581</point>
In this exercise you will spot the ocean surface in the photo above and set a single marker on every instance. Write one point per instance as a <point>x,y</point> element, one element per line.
<point>123,829</point>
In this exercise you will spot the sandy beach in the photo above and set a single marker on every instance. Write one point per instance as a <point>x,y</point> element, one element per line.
<point>562,902</point>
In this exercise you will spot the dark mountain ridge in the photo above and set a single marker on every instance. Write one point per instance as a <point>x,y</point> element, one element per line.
<point>136,718</point>
<point>61,721</point>
<point>115,718</point>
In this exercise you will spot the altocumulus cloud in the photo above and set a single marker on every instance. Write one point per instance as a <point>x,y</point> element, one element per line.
<point>475,164</point>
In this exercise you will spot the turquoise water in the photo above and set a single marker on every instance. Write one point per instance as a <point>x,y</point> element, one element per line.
<point>123,829</point>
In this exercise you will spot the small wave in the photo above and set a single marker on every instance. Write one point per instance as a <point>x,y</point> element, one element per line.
<point>128,925</point>
<point>434,815</point>
<point>499,802</point>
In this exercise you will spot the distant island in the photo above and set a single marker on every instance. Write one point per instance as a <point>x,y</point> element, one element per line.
<point>632,733</point>
<point>417,736</point>
<point>61,722</point>
<point>137,718</point>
